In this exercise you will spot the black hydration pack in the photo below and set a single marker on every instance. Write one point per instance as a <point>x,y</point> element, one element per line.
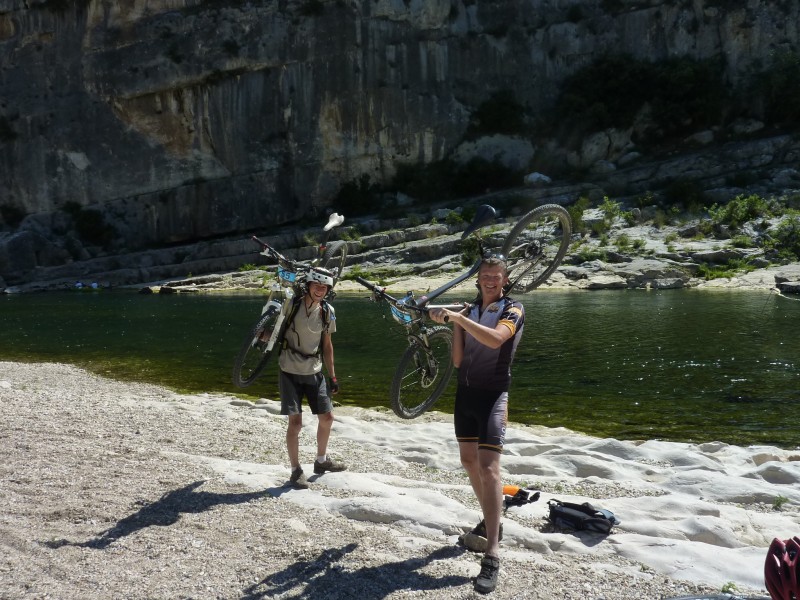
<point>568,515</point>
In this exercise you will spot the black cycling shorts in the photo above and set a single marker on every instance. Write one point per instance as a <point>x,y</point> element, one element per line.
<point>480,416</point>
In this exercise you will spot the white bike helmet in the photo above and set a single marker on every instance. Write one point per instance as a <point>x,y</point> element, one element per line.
<point>320,275</point>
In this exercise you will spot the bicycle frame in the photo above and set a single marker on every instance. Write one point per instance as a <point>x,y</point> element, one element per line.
<point>288,292</point>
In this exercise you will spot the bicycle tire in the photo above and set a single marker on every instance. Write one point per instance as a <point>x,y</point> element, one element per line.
<point>252,358</point>
<point>335,257</point>
<point>422,374</point>
<point>536,246</point>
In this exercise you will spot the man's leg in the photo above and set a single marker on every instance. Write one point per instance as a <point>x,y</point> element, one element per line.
<point>491,498</point>
<point>324,432</point>
<point>293,439</point>
<point>469,460</point>
<point>483,469</point>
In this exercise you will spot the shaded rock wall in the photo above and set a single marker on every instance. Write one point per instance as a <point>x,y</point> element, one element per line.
<point>182,120</point>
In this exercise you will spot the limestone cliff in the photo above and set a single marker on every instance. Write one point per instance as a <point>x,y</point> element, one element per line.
<point>180,120</point>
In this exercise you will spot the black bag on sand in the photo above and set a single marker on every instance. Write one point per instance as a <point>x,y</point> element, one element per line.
<point>584,517</point>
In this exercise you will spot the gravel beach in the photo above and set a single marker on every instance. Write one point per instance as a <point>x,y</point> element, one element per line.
<point>114,490</point>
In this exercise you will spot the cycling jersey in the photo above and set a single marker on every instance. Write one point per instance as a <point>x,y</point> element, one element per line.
<point>490,368</point>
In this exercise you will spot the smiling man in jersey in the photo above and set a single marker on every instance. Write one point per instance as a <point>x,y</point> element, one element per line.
<point>485,338</point>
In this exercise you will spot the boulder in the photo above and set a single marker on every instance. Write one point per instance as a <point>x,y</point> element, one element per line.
<point>789,287</point>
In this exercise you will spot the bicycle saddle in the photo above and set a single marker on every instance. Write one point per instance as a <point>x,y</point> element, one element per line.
<point>483,216</point>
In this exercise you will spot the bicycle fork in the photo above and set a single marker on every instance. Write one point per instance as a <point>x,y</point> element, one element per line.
<point>424,361</point>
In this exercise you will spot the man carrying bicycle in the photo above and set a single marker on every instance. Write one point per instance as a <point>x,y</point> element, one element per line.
<point>307,345</point>
<point>485,338</point>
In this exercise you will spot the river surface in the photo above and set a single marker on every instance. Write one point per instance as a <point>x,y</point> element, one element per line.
<point>679,365</point>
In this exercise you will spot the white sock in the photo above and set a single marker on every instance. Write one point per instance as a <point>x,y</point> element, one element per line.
<point>322,459</point>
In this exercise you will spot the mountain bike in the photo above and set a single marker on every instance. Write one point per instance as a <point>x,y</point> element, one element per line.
<point>266,336</point>
<point>533,249</point>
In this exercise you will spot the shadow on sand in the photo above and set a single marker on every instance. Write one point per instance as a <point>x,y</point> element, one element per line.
<point>327,576</point>
<point>161,513</point>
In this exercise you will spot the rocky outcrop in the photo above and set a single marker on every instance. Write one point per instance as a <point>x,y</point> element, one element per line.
<point>161,123</point>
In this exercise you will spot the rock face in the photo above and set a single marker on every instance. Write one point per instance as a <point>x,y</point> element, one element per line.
<point>171,121</point>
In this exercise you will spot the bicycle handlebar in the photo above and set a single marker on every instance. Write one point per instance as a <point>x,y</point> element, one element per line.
<point>266,249</point>
<point>378,290</point>
<point>381,292</point>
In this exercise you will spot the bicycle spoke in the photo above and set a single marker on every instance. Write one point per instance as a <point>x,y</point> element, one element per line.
<point>253,356</point>
<point>423,374</point>
<point>536,246</point>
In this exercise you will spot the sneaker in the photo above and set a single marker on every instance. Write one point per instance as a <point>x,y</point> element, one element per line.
<point>298,479</point>
<point>486,580</point>
<point>328,465</point>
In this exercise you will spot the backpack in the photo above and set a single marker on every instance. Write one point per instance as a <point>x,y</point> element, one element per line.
<point>568,515</point>
<point>325,313</point>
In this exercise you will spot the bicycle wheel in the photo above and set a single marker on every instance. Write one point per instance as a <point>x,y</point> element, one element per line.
<point>536,246</point>
<point>253,355</point>
<point>423,374</point>
<point>334,257</point>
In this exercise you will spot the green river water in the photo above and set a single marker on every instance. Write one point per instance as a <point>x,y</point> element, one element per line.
<point>680,365</point>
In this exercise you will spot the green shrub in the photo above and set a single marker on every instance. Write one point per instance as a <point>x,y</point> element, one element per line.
<point>628,217</point>
<point>732,268</point>
<point>623,242</point>
<point>740,210</point>
<point>576,214</point>
<point>742,241</point>
<point>786,240</point>
<point>588,253</point>
<point>729,588</point>
<point>453,218</point>
<point>352,233</point>
<point>779,501</point>
<point>469,251</point>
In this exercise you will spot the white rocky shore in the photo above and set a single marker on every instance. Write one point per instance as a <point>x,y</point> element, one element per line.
<point>773,278</point>
<point>128,490</point>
